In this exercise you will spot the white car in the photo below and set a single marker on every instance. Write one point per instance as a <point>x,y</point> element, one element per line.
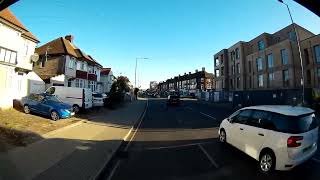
<point>279,137</point>
<point>98,99</point>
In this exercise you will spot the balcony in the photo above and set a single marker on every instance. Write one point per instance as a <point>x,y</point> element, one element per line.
<point>92,77</point>
<point>81,74</point>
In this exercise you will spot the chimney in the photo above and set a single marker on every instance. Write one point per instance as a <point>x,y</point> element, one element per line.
<point>196,70</point>
<point>185,73</point>
<point>203,69</point>
<point>189,73</point>
<point>69,38</point>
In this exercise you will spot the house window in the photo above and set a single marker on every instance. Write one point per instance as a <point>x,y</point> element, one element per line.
<point>80,83</point>
<point>317,53</point>
<point>217,72</point>
<point>259,64</point>
<point>231,83</point>
<point>237,53</point>
<point>306,56</point>
<point>318,72</point>
<point>69,82</point>
<point>292,36</point>
<point>270,60</point>
<point>90,69</point>
<point>71,63</point>
<point>284,56</point>
<point>216,62</point>
<point>42,63</point>
<point>249,66</point>
<point>238,82</point>
<point>308,77</point>
<point>261,45</point>
<point>238,68</point>
<point>270,78</point>
<point>232,56</point>
<point>82,66</point>
<point>250,82</point>
<point>8,56</point>
<point>285,77</point>
<point>222,71</point>
<point>233,69</point>
<point>260,80</point>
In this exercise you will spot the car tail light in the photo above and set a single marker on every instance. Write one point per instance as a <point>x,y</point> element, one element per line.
<point>294,141</point>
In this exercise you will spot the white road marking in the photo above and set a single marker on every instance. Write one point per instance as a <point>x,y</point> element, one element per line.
<point>177,146</point>
<point>126,148</point>
<point>316,160</point>
<point>136,130</point>
<point>188,108</point>
<point>114,170</point>
<point>208,115</point>
<point>208,156</point>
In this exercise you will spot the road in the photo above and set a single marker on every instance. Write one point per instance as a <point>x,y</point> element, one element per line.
<point>180,142</point>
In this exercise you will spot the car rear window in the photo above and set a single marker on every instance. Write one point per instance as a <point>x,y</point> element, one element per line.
<point>294,124</point>
<point>97,95</point>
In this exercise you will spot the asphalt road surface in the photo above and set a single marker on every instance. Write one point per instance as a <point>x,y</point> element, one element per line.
<point>181,142</point>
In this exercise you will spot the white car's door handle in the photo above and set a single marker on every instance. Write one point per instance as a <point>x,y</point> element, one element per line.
<point>260,134</point>
<point>241,129</point>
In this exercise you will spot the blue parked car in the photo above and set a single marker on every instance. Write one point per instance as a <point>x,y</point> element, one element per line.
<point>48,105</point>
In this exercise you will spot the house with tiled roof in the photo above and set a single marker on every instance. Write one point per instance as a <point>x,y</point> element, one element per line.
<point>62,63</point>
<point>17,45</point>
<point>107,78</point>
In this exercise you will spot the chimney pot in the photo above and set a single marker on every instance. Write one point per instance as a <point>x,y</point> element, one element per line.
<point>196,70</point>
<point>203,69</point>
<point>69,38</point>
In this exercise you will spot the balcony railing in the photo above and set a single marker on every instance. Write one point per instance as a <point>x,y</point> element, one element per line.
<point>81,74</point>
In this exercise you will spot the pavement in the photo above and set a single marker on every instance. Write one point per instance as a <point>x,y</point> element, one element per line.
<point>181,142</point>
<point>79,151</point>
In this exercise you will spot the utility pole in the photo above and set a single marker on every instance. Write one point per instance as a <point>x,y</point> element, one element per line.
<point>135,71</point>
<point>299,48</point>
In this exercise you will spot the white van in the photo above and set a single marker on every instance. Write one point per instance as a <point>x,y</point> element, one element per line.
<point>76,97</point>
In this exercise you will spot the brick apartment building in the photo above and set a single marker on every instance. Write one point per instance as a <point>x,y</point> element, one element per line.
<point>189,83</point>
<point>269,61</point>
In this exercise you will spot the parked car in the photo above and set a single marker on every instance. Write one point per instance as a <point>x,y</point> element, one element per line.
<point>173,98</point>
<point>279,137</point>
<point>76,97</point>
<point>98,99</point>
<point>48,105</point>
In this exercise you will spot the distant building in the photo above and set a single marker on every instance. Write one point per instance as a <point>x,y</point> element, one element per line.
<point>107,78</point>
<point>189,83</point>
<point>17,45</point>
<point>153,85</point>
<point>269,61</point>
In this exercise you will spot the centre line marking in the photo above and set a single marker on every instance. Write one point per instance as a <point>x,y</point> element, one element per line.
<point>208,156</point>
<point>316,160</point>
<point>208,115</point>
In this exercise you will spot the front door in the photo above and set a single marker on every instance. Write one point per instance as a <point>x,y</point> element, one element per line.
<point>239,128</point>
<point>255,133</point>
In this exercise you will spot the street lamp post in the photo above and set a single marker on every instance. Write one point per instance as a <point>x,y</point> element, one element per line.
<point>135,71</point>
<point>299,48</point>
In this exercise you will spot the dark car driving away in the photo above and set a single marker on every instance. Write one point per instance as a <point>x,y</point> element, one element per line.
<point>173,98</point>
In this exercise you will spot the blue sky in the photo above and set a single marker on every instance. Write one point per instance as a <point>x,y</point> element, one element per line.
<point>177,35</point>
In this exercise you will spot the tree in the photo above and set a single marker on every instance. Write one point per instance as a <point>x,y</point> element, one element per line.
<point>118,89</point>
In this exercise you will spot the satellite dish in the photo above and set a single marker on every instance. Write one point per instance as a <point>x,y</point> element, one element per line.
<point>34,57</point>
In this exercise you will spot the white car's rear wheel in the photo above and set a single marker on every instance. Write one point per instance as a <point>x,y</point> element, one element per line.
<point>266,162</point>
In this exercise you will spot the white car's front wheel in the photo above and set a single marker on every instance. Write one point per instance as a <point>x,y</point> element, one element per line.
<point>222,136</point>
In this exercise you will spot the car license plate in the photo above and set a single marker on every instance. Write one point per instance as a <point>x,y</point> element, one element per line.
<point>72,114</point>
